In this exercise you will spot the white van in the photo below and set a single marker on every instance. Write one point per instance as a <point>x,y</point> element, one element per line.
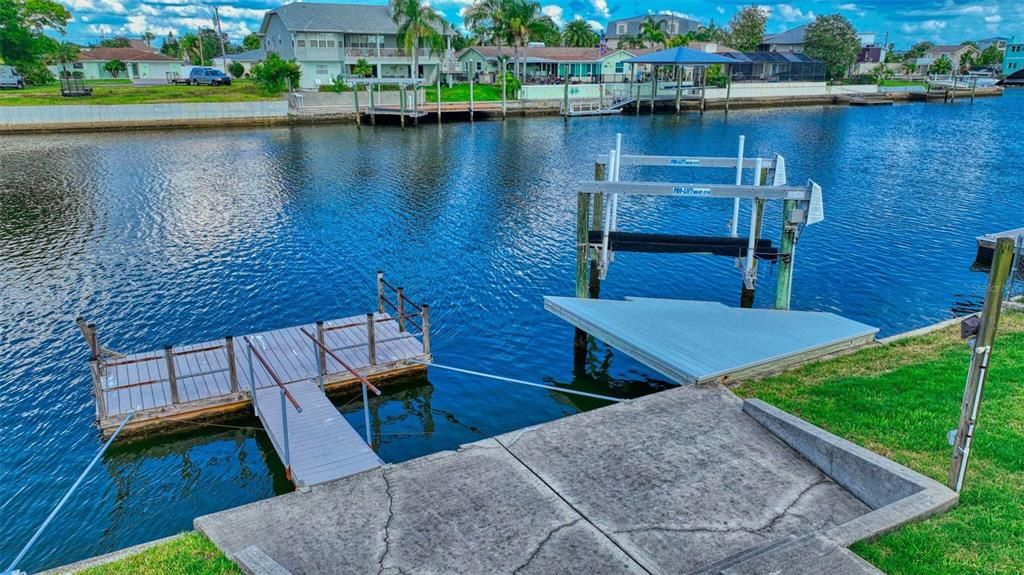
<point>9,78</point>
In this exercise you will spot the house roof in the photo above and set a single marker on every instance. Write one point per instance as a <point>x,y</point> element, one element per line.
<point>680,55</point>
<point>250,56</point>
<point>949,49</point>
<point>124,54</point>
<point>633,24</point>
<point>769,57</point>
<point>141,45</point>
<point>549,54</point>
<point>793,36</point>
<point>343,18</point>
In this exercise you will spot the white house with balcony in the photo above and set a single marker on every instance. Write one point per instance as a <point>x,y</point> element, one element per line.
<point>327,40</point>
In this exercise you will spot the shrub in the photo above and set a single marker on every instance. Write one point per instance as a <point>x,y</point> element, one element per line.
<point>715,77</point>
<point>236,69</point>
<point>511,86</point>
<point>274,74</point>
<point>115,67</point>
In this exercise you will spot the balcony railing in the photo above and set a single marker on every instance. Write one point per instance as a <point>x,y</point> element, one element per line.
<point>374,52</point>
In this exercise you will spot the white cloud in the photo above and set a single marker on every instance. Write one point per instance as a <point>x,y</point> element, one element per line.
<point>97,6</point>
<point>678,14</point>
<point>791,13</point>
<point>555,12</point>
<point>932,25</point>
<point>601,6</point>
<point>241,13</point>
<point>595,24</point>
<point>719,9</point>
<point>993,19</point>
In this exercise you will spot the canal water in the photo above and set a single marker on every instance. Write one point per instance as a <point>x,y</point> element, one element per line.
<point>184,236</point>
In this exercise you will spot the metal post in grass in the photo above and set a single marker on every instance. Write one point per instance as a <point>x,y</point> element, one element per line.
<point>981,353</point>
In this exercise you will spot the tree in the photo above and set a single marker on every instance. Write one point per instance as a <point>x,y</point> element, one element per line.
<point>679,40</point>
<point>525,22</point>
<point>918,50</point>
<point>23,41</point>
<point>251,42</point>
<point>62,53</point>
<point>148,38</point>
<point>362,68</point>
<point>941,66</point>
<point>191,49</point>
<point>712,33</point>
<point>748,28</point>
<point>416,22</point>
<point>115,67</point>
<point>274,74</point>
<point>579,34</point>
<point>171,47</point>
<point>990,56</point>
<point>116,42</point>
<point>833,40</point>
<point>652,31</point>
<point>627,42</point>
<point>236,69</point>
<point>880,73</point>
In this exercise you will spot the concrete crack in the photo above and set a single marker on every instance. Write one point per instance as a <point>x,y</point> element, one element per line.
<point>387,524</point>
<point>536,550</point>
<point>774,520</point>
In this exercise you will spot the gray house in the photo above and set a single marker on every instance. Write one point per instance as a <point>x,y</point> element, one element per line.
<point>328,39</point>
<point>631,26</point>
<point>789,41</point>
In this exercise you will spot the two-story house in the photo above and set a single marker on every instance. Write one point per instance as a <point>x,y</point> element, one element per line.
<point>327,40</point>
<point>674,25</point>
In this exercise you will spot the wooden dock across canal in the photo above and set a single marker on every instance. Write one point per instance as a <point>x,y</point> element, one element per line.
<point>287,371</point>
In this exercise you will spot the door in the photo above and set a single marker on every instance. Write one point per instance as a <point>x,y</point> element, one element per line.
<point>135,69</point>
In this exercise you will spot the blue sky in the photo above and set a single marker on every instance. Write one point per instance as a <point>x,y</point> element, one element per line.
<point>905,21</point>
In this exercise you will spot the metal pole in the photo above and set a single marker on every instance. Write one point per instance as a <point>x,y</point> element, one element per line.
<point>284,427</point>
<point>252,377</point>
<point>787,251</point>
<point>229,349</point>
<point>63,500</point>
<point>371,339</point>
<point>734,223</point>
<point>425,318</point>
<point>366,413</point>
<point>749,268</point>
<point>980,354</point>
<point>172,380</point>
<point>607,215</point>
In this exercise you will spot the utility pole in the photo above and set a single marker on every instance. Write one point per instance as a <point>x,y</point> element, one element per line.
<point>199,38</point>
<point>981,352</point>
<point>220,35</point>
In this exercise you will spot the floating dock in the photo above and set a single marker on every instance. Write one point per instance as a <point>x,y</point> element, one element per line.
<point>284,374</point>
<point>693,342</point>
<point>987,244</point>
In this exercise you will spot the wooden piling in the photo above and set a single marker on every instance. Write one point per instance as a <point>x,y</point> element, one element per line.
<point>679,89</point>
<point>373,114</point>
<point>321,353</point>
<point>728,92</point>
<point>380,291</point>
<point>96,367</point>
<point>594,291</point>
<point>359,117</point>
<point>425,322</point>
<point>980,354</point>
<point>787,248</point>
<point>654,86</point>
<point>400,306</point>
<point>371,338</point>
<point>229,349</point>
<point>172,379</point>
<point>472,110</point>
<point>401,104</point>
<point>565,97</point>
<point>504,91</point>
<point>703,89</point>
<point>439,94</point>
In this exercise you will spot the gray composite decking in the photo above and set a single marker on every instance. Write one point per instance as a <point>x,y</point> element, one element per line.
<point>698,342</point>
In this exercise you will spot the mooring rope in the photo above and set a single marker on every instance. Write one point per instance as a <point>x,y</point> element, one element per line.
<point>521,382</point>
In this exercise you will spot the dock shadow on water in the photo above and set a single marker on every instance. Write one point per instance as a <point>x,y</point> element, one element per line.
<point>177,237</point>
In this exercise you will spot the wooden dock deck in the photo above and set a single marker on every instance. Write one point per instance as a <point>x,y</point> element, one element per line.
<point>301,363</point>
<point>987,244</point>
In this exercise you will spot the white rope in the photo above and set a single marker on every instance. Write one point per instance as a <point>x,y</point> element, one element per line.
<point>521,382</point>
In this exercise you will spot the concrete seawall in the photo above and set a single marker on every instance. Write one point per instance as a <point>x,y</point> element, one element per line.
<point>139,116</point>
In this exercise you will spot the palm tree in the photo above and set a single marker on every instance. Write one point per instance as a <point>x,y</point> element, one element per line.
<point>651,30</point>
<point>487,19</point>
<point>712,33</point>
<point>148,38</point>
<point>627,42</point>
<point>679,40</point>
<point>415,22</point>
<point>362,68</point>
<point>579,34</point>
<point>62,53</point>
<point>526,22</point>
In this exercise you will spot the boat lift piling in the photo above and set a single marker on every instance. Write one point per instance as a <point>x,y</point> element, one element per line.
<point>598,237</point>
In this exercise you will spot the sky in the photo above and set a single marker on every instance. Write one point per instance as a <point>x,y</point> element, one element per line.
<point>905,21</point>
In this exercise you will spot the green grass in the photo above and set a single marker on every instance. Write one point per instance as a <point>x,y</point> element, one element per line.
<point>189,554</point>
<point>107,92</point>
<point>901,400</point>
<point>901,83</point>
<point>460,93</point>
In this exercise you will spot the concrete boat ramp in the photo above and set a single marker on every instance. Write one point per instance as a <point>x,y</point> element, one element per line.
<point>691,480</point>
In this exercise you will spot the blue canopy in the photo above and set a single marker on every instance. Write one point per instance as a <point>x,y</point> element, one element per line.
<point>680,56</point>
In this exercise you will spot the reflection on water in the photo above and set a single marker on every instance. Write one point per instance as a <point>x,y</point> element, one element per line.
<point>184,236</point>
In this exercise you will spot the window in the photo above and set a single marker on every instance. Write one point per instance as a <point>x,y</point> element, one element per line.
<point>300,43</point>
<point>479,66</point>
<point>77,66</point>
<point>321,70</point>
<point>620,68</point>
<point>621,28</point>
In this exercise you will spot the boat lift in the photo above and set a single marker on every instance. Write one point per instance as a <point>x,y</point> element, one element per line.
<point>599,238</point>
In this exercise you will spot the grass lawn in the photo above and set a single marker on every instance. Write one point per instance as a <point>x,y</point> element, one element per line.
<point>190,554</point>
<point>460,93</point>
<point>902,83</point>
<point>123,92</point>
<point>900,400</point>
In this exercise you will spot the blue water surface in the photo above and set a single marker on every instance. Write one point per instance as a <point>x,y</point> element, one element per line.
<point>184,236</point>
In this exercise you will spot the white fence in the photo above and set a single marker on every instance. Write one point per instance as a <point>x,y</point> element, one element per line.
<point>14,118</point>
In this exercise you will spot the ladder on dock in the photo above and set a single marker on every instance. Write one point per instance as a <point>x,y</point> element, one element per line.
<point>284,373</point>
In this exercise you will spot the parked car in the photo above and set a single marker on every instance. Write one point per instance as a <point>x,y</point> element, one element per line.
<point>9,78</point>
<point>208,76</point>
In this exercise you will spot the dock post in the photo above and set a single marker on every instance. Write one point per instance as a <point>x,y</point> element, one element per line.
<point>401,104</point>
<point>981,352</point>
<point>89,333</point>
<point>750,267</point>
<point>380,291</point>
<point>425,316</point>
<point>654,86</point>
<point>504,90</point>
<point>229,349</point>
<point>172,379</point>
<point>321,355</point>
<point>252,376</point>
<point>97,388</point>
<point>594,291</point>
<point>679,88</point>
<point>974,88</point>
<point>371,339</point>
<point>472,111</point>
<point>284,435</point>
<point>579,346</point>
<point>703,89</point>
<point>399,297</point>
<point>373,115</point>
<point>728,92</point>
<point>359,117</point>
<point>366,413</point>
<point>439,94</point>
<point>787,249</point>
<point>565,97</point>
